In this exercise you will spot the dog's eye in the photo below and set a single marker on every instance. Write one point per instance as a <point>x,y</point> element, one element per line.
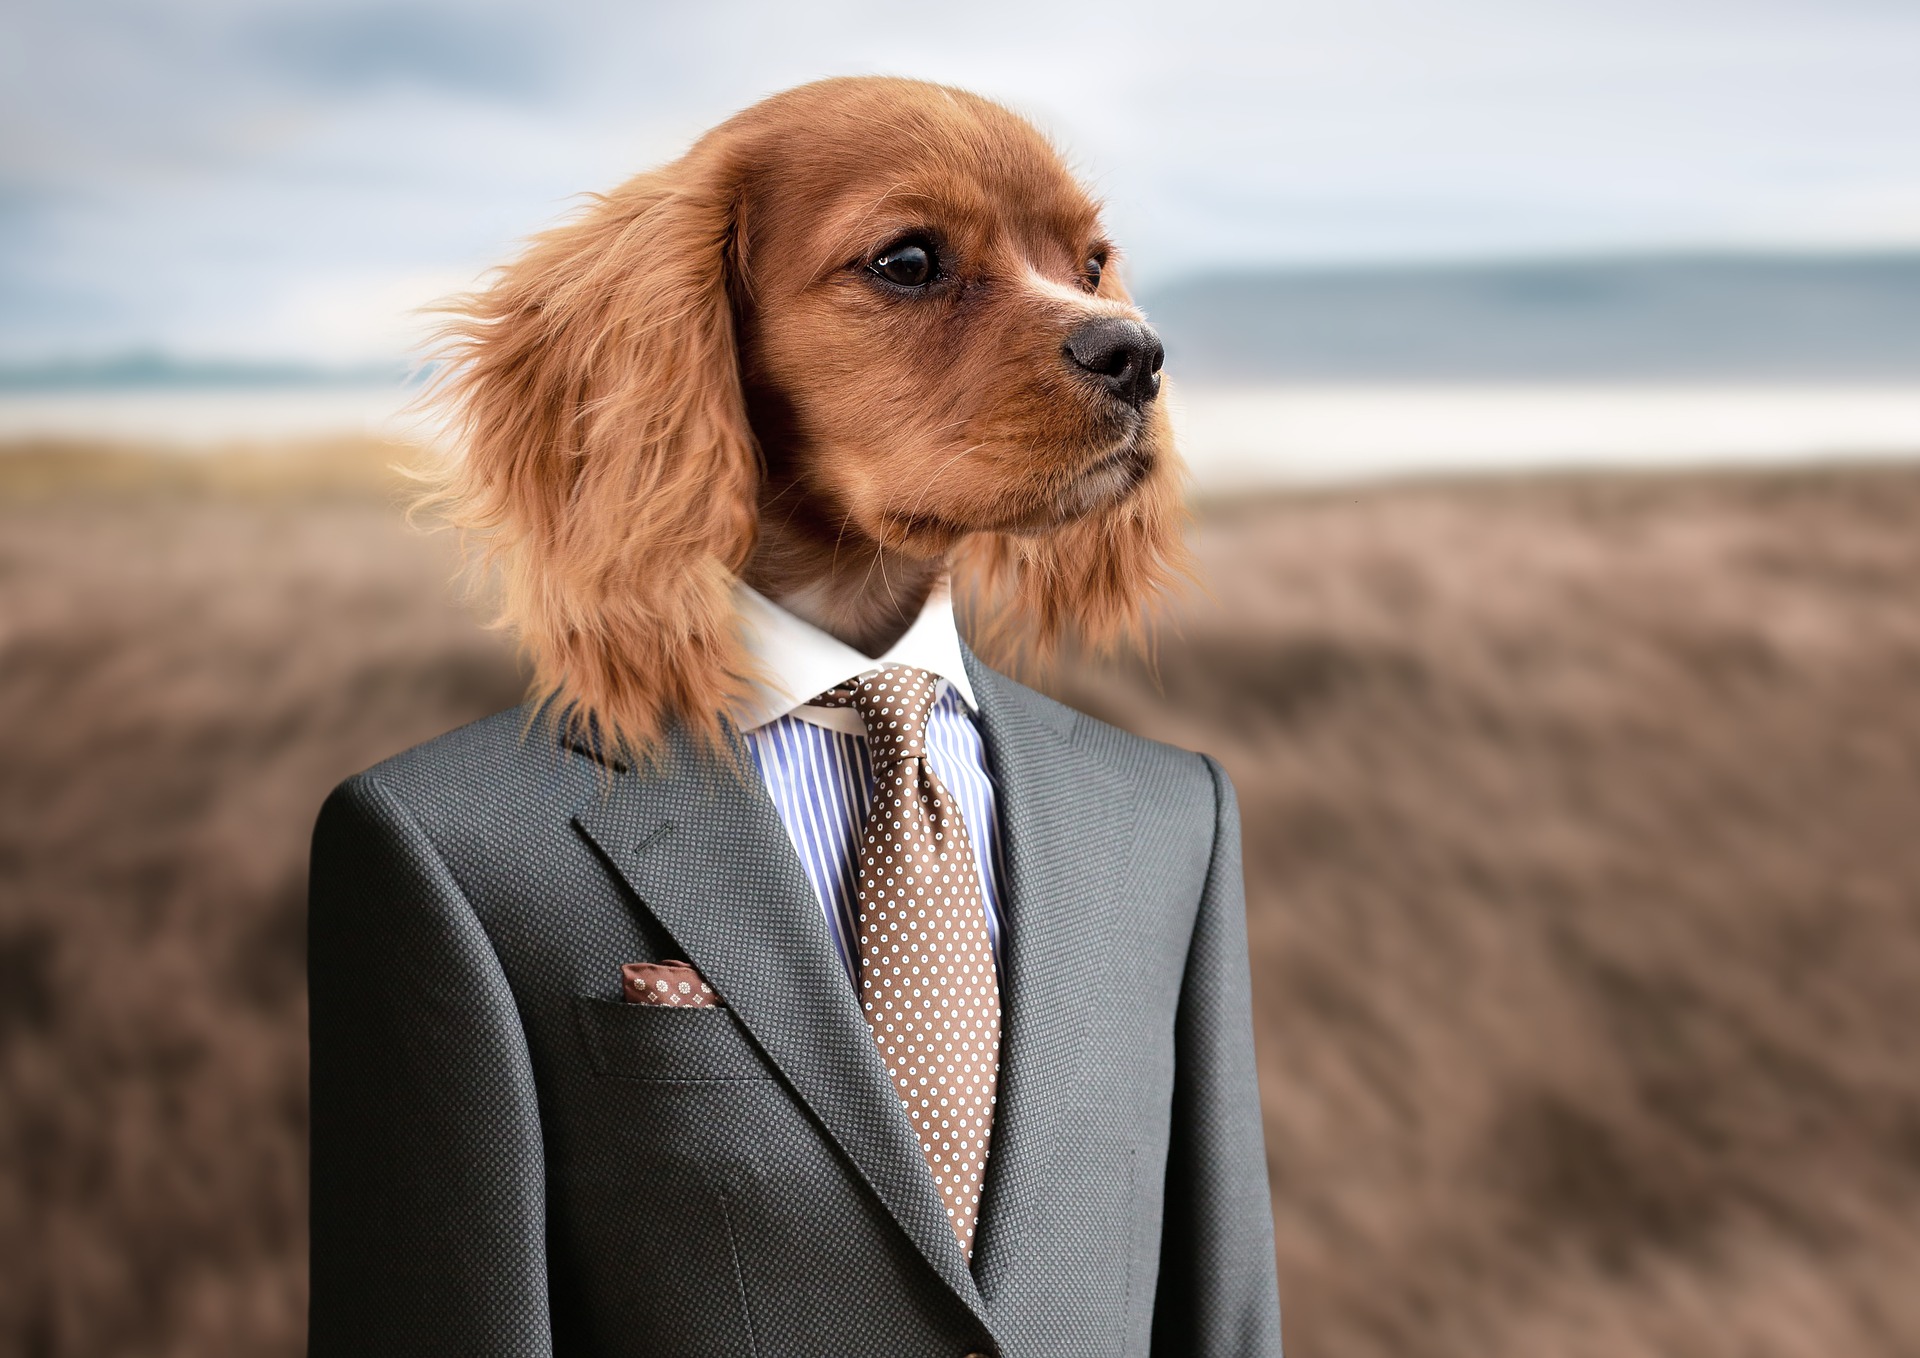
<point>1095,266</point>
<point>910,264</point>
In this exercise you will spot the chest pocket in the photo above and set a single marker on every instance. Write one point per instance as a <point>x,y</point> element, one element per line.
<point>657,1043</point>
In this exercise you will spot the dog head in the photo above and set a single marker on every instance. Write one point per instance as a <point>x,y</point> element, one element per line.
<point>862,317</point>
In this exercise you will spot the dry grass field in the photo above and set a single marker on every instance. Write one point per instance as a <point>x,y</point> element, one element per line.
<point>1583,855</point>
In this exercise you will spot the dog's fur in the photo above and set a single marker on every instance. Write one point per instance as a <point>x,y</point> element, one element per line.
<point>700,379</point>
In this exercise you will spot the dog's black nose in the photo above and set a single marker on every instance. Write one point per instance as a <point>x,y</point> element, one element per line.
<point>1125,356</point>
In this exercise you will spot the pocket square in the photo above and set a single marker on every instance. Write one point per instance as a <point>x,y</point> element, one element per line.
<point>675,984</point>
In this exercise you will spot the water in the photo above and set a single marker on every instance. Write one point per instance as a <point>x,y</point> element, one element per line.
<point>1241,437</point>
<point>1234,437</point>
<point>190,418</point>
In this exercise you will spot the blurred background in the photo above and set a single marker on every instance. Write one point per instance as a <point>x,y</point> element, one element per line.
<point>1550,374</point>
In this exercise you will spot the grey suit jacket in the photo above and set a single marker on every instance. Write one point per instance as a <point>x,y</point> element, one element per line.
<point>507,1160</point>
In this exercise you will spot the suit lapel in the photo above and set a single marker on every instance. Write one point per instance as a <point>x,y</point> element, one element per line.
<point>1067,834</point>
<point>704,850</point>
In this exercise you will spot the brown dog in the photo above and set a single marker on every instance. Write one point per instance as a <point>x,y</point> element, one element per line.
<point>864,333</point>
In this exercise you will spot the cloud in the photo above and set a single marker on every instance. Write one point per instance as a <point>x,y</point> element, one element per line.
<point>457,48</point>
<point>176,172</point>
<point>346,317</point>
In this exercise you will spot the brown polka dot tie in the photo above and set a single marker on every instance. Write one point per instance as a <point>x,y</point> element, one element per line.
<point>926,965</point>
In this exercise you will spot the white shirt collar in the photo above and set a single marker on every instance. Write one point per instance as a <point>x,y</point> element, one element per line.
<point>798,660</point>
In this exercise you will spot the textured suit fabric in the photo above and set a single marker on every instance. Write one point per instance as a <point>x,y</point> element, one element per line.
<point>509,1160</point>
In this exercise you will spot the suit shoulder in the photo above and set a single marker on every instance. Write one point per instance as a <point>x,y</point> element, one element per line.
<point>1172,770</point>
<point>471,773</point>
<point>1163,772</point>
<point>494,744</point>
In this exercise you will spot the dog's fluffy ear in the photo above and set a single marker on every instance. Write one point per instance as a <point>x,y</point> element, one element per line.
<point>1098,581</point>
<point>605,458</point>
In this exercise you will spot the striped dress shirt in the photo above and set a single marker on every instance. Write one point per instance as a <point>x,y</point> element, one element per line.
<point>815,764</point>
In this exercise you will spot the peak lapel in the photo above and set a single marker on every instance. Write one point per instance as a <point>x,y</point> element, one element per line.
<point>1068,832</point>
<point>704,850</point>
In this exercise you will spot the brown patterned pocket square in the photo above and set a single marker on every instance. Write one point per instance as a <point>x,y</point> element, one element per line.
<point>674,984</point>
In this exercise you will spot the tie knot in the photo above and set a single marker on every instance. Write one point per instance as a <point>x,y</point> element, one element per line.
<point>893,701</point>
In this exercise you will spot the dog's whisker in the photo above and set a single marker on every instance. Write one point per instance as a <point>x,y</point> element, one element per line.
<point>928,486</point>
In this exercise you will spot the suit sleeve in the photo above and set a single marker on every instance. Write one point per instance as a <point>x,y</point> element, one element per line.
<point>428,1197</point>
<point>1218,1296</point>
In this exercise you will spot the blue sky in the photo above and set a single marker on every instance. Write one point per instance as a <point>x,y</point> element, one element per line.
<point>286,180</point>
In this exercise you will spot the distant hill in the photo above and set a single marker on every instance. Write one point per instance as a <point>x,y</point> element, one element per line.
<point>1680,318</point>
<point>151,369</point>
<point>1676,317</point>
